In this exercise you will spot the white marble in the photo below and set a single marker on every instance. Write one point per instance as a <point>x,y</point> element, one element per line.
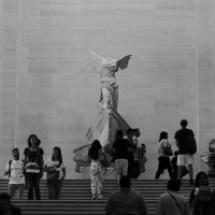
<point>49,82</point>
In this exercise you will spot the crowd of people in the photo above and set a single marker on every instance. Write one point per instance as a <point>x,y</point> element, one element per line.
<point>27,173</point>
<point>126,201</point>
<point>182,161</point>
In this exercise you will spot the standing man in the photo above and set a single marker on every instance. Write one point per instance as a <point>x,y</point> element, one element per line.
<point>185,140</point>
<point>120,149</point>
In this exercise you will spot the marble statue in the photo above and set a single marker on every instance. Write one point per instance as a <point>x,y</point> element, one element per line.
<point>108,120</point>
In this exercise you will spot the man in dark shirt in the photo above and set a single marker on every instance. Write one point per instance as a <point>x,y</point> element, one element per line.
<point>6,206</point>
<point>125,200</point>
<point>120,149</point>
<point>183,140</point>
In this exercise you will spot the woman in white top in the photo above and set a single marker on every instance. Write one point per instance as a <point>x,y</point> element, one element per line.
<point>163,159</point>
<point>96,169</point>
<point>55,173</point>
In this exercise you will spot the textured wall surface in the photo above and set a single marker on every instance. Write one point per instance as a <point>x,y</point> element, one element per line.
<point>49,84</point>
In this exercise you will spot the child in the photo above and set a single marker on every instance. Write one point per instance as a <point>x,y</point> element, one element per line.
<point>14,171</point>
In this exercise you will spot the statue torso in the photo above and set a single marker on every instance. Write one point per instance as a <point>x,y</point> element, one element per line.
<point>107,70</point>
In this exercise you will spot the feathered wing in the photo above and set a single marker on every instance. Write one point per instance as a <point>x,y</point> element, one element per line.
<point>122,62</point>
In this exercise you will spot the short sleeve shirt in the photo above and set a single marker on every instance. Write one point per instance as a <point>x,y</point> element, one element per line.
<point>16,172</point>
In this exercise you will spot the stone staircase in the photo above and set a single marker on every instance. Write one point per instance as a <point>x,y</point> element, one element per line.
<point>76,197</point>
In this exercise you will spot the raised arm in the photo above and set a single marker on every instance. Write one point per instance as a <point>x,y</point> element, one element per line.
<point>96,55</point>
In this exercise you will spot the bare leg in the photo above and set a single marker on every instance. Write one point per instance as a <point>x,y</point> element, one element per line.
<point>190,168</point>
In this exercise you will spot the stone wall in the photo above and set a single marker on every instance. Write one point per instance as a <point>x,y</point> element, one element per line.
<point>50,85</point>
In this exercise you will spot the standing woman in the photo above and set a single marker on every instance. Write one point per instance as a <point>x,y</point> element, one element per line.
<point>56,173</point>
<point>163,156</point>
<point>95,155</point>
<point>33,166</point>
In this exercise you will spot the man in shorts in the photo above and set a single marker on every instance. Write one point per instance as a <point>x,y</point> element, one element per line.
<point>185,157</point>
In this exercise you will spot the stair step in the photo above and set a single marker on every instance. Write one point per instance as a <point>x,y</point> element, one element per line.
<point>76,197</point>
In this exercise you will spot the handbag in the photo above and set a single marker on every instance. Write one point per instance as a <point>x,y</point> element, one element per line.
<point>167,151</point>
<point>62,173</point>
<point>104,160</point>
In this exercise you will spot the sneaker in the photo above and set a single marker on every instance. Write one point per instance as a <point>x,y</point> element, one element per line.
<point>99,196</point>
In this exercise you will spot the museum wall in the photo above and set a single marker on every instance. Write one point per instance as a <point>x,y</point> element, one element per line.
<point>49,83</point>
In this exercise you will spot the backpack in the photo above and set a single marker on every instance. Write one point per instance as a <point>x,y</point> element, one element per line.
<point>167,150</point>
<point>7,173</point>
<point>204,202</point>
<point>192,147</point>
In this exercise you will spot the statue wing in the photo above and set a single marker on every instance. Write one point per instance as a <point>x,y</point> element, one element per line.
<point>96,55</point>
<point>122,62</point>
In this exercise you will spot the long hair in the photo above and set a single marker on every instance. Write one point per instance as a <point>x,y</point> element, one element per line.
<point>163,135</point>
<point>60,158</point>
<point>119,134</point>
<point>201,179</point>
<point>35,136</point>
<point>93,152</point>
